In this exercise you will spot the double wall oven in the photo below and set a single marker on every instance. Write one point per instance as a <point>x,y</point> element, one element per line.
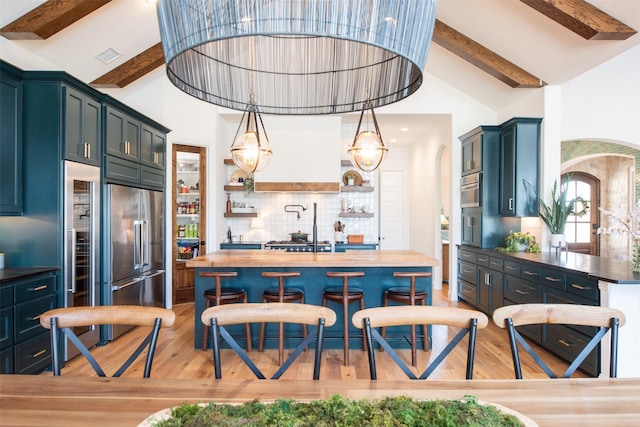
<point>471,190</point>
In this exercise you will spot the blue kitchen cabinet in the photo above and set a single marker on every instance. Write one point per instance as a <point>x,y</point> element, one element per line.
<point>10,140</point>
<point>342,247</point>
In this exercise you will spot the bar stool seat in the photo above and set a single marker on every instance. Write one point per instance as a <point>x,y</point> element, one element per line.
<point>411,296</point>
<point>288,292</point>
<point>345,295</point>
<point>219,295</point>
<point>281,294</point>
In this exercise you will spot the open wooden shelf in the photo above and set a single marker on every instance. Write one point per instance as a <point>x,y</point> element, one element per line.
<point>355,214</point>
<point>241,215</point>
<point>356,189</point>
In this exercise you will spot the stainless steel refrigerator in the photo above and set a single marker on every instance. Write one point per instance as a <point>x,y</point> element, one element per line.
<point>134,271</point>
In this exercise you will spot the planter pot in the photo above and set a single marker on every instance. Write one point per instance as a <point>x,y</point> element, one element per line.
<point>350,181</point>
<point>521,247</point>
<point>558,240</point>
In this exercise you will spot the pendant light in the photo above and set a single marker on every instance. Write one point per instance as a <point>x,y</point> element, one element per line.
<point>367,150</point>
<point>251,150</point>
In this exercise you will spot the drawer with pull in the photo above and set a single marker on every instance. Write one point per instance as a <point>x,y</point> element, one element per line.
<point>520,291</point>
<point>582,286</point>
<point>27,317</point>
<point>467,256</point>
<point>512,268</point>
<point>496,263</point>
<point>33,355</point>
<point>6,296</point>
<point>568,343</point>
<point>35,288</point>
<point>467,292</point>
<point>467,271</point>
<point>530,272</point>
<point>483,260</point>
<point>554,278</point>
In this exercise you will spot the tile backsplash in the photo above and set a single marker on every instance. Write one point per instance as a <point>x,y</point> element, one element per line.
<point>278,223</point>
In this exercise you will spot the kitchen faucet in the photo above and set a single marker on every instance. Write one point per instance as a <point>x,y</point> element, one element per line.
<point>294,211</point>
<point>315,228</point>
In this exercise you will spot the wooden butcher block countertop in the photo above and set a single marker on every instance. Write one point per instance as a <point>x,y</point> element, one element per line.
<point>270,258</point>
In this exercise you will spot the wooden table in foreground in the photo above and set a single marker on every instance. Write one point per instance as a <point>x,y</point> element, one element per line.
<point>80,401</point>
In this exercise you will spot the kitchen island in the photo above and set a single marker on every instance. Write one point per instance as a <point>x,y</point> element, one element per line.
<point>378,267</point>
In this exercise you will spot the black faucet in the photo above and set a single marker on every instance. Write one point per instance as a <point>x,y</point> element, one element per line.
<point>315,228</point>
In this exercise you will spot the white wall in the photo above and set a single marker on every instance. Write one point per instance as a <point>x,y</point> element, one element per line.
<point>604,103</point>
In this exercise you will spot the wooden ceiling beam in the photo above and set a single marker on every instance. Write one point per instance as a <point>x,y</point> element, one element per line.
<point>133,69</point>
<point>583,19</point>
<point>49,18</point>
<point>483,58</point>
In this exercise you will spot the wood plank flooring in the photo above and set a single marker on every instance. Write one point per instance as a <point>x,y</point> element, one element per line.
<point>176,358</point>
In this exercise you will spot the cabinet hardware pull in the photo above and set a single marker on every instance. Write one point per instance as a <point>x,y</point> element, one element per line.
<point>551,279</point>
<point>39,288</point>
<point>582,288</point>
<point>487,279</point>
<point>466,291</point>
<point>482,259</point>
<point>510,204</point>
<point>510,268</point>
<point>467,271</point>
<point>36,317</point>
<point>529,273</point>
<point>564,343</point>
<point>518,291</point>
<point>494,263</point>
<point>40,353</point>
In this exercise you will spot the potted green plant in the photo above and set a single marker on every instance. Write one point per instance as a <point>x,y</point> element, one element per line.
<point>521,241</point>
<point>248,185</point>
<point>555,214</point>
<point>351,177</point>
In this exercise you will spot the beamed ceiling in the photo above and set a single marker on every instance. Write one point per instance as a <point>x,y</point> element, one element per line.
<point>468,29</point>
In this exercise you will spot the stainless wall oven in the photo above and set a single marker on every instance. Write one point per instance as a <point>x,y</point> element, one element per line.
<point>470,190</point>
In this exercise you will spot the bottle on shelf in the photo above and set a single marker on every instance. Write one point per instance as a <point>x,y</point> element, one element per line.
<point>228,202</point>
<point>229,237</point>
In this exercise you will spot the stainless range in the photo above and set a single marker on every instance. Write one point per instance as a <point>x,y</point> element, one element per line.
<point>297,246</point>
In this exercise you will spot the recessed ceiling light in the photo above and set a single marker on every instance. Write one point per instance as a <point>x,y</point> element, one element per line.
<point>108,55</point>
<point>404,129</point>
<point>393,140</point>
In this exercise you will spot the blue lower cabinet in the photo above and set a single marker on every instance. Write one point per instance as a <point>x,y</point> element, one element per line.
<point>342,247</point>
<point>313,281</point>
<point>240,245</point>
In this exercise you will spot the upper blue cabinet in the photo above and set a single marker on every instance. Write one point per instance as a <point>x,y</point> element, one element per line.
<point>10,140</point>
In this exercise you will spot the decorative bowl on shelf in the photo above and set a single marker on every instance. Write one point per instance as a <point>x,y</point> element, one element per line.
<point>241,210</point>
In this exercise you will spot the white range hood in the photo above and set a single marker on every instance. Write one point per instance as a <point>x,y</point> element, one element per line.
<point>306,154</point>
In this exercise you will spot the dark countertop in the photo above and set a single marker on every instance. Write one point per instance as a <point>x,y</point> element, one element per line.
<point>13,273</point>
<point>607,269</point>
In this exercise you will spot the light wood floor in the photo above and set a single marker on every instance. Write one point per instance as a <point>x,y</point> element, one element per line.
<point>176,357</point>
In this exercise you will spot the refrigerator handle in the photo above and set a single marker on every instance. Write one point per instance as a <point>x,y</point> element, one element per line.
<point>146,243</point>
<point>73,248</point>
<point>137,244</point>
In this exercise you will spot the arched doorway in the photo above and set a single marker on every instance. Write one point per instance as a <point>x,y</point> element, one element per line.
<point>581,229</point>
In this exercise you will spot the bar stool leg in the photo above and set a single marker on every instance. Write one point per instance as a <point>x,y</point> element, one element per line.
<point>248,328</point>
<point>205,338</point>
<point>345,314</point>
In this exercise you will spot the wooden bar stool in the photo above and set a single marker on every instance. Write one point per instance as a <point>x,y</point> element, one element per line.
<point>409,295</point>
<point>219,296</point>
<point>281,294</point>
<point>345,295</point>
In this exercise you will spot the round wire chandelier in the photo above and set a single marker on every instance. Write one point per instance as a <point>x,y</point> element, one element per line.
<point>297,57</point>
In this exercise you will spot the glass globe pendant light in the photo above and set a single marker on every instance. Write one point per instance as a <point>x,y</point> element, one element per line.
<point>367,150</point>
<point>251,150</point>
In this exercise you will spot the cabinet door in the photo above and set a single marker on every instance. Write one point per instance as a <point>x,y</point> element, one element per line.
<point>472,155</point>
<point>122,135</point>
<point>82,128</point>
<point>471,228</point>
<point>10,146</point>
<point>507,171</point>
<point>520,158</point>
<point>490,290</point>
<point>152,147</point>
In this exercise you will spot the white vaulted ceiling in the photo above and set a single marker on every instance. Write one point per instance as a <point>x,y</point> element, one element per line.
<point>509,28</point>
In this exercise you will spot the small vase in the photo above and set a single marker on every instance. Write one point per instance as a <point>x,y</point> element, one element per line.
<point>635,259</point>
<point>350,181</point>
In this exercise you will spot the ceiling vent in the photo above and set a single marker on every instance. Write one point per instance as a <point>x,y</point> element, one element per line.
<point>108,55</point>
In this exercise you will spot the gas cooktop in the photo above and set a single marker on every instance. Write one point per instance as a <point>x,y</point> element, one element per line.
<point>297,245</point>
